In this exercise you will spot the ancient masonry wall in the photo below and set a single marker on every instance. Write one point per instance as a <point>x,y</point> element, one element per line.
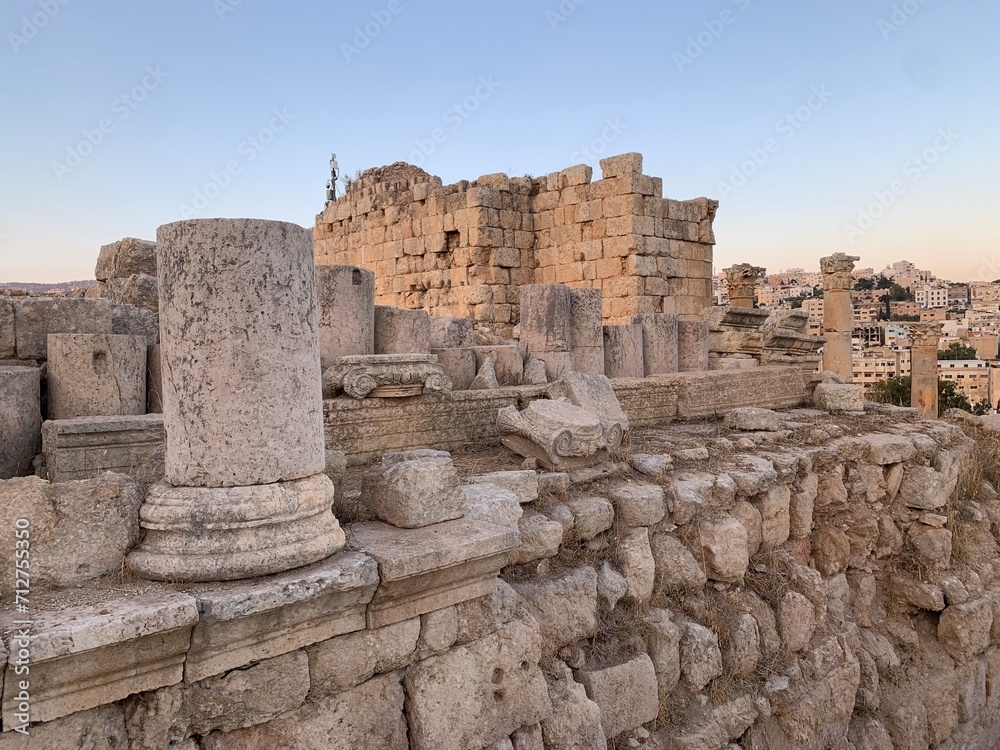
<point>463,250</point>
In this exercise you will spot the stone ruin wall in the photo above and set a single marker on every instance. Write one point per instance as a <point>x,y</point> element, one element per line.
<point>463,250</point>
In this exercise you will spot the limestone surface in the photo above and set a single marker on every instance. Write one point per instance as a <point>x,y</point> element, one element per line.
<point>93,375</point>
<point>413,489</point>
<point>346,300</point>
<point>20,419</point>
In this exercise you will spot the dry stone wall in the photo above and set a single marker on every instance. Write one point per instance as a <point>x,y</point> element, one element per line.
<point>463,250</point>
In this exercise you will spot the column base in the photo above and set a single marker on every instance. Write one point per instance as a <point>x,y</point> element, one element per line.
<point>229,533</point>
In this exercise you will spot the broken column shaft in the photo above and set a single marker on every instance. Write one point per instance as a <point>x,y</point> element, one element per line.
<point>838,314</point>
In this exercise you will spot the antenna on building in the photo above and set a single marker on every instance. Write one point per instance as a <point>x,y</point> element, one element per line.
<point>331,184</point>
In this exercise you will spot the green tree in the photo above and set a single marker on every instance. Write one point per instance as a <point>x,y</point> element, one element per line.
<point>883,282</point>
<point>957,350</point>
<point>897,391</point>
<point>864,285</point>
<point>982,408</point>
<point>950,398</point>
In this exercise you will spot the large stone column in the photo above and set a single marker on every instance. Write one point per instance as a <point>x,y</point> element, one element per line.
<point>924,339</point>
<point>838,314</point>
<point>743,280</point>
<point>244,493</point>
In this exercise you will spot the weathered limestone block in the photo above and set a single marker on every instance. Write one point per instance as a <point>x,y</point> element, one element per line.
<point>483,501</point>
<point>627,694</point>
<point>540,539</point>
<point>663,639</point>
<point>422,570</point>
<point>635,559</point>
<point>8,333</point>
<point>459,366</point>
<point>885,449</point>
<point>386,376</point>
<point>611,587</point>
<point>345,296</point>
<point>138,290</point>
<point>125,257</point>
<point>933,545</point>
<point>752,474</point>
<point>20,419</point>
<point>528,738</point>
<point>86,447</point>
<point>101,728</point>
<point>240,698</point>
<point>587,334</point>
<point>595,394</point>
<point>486,377</point>
<point>692,345</point>
<point>413,489</point>
<point>623,353</point>
<point>226,533</point>
<point>219,340</point>
<point>708,394</point>
<point>438,631</point>
<point>400,331</point>
<point>575,722</point>
<point>89,656</point>
<point>964,629</point>
<point>831,550</point>
<point>500,689</point>
<point>749,518</point>
<point>653,465</point>
<point>546,318</point>
<point>36,317</point>
<point>638,504</point>
<point>96,375</point>
<point>752,419</point>
<point>507,360</point>
<point>367,716</point>
<point>249,621</point>
<point>558,434</point>
<point>741,649</point>
<point>524,484</point>
<point>927,596</point>
<point>482,616</point>
<point>676,567</point>
<point>154,380</point>
<point>659,342</point>
<point>565,607</point>
<point>839,397</point>
<point>774,505</point>
<point>724,547</point>
<point>796,621</point>
<point>534,371</point>
<point>701,658</point>
<point>923,488</point>
<point>127,320</point>
<point>78,530</point>
<point>451,333</point>
<point>591,516</point>
<point>340,663</point>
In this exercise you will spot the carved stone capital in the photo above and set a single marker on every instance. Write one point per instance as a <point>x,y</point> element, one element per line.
<point>385,376</point>
<point>743,280</point>
<point>837,269</point>
<point>559,434</point>
<point>924,334</point>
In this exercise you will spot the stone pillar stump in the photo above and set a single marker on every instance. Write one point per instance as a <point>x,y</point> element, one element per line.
<point>924,340</point>
<point>838,314</point>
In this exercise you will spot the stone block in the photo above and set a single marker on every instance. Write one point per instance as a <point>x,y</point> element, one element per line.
<point>706,394</point>
<point>556,364</point>
<point>367,716</point>
<point>245,622</point>
<point>431,568</point>
<point>8,334</point>
<point>546,318</point>
<point>20,419</point>
<point>78,530</point>
<point>591,516</point>
<point>565,606</point>
<point>338,664</point>
<point>752,419</point>
<point>663,639</point>
<point>524,484</point>
<point>676,567</point>
<point>638,504</point>
<point>626,693</point>
<point>659,342</point>
<point>595,394</point>
<point>127,320</point>
<point>508,363</point>
<point>701,657</point>
<point>483,501</point>
<point>86,657</point>
<point>692,345</point>
<point>399,331</point>
<point>482,616</point>
<point>459,366</point>
<point>94,375</point>
<point>126,257</point>
<point>500,690</point>
<point>413,489</point>
<point>635,560</point>
<point>138,290</point>
<point>796,621</point>
<point>964,629</point>
<point>345,297</point>
<point>36,317</point>
<point>724,546</point>
<point>624,165</point>
<point>586,319</point>
<point>589,360</point>
<point>885,449</point>
<point>774,506</point>
<point>451,333</point>
<point>154,381</point>
<point>85,447</point>
<point>558,434</point>
<point>575,721</point>
<point>623,352</point>
<point>923,488</point>
<point>251,412</point>
<point>839,397</point>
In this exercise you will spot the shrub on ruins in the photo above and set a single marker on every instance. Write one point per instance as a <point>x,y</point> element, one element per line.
<point>957,350</point>
<point>896,391</point>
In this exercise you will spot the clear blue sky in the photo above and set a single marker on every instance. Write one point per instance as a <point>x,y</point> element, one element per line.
<point>833,99</point>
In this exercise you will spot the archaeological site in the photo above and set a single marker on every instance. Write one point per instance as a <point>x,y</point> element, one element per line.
<point>480,467</point>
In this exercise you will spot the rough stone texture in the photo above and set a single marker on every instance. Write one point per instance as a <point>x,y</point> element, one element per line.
<point>638,504</point>
<point>591,516</point>
<point>248,621</point>
<point>459,366</point>
<point>244,291</point>
<point>623,356</point>
<point>924,488</point>
<point>676,567</point>
<point>701,658</point>
<point>507,359</point>
<point>575,722</point>
<point>413,489</point>
<point>399,331</point>
<point>637,565</point>
<point>565,607</point>
<point>964,629</point>
<point>450,333</point>
<point>101,728</point>
<point>90,656</point>
<point>626,693</point>
<point>96,375</point>
<point>546,319</point>
<point>345,296</point>
<point>126,257</point>
<point>86,447</point>
<point>154,380</point>
<point>558,434</point>
<point>724,547</point>
<point>752,419</point>
<point>78,530</point>
<point>540,539</point>
<point>20,419</point>
<point>486,378</point>
<point>340,663</point>
<point>659,342</point>
<point>595,394</point>
<point>796,621</point>
<point>138,290</point>
<point>774,505</point>
<point>36,317</point>
<point>663,639</point>
<point>127,320</point>
<point>488,502</point>
<point>502,690</point>
<point>369,716</point>
<point>885,449</point>
<point>8,334</point>
<point>524,484</point>
<point>839,397</point>
<point>692,345</point>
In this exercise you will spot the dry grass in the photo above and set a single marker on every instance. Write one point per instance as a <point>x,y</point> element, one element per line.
<point>767,578</point>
